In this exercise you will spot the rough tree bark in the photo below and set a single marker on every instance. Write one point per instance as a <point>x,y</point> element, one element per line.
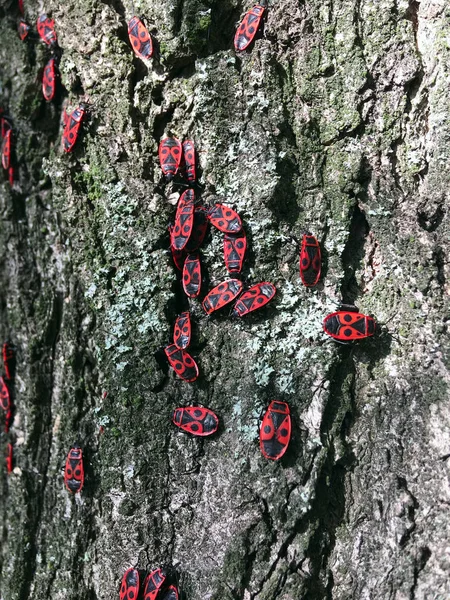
<point>336,122</point>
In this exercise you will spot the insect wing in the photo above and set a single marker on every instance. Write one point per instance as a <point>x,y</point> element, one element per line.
<point>129,588</point>
<point>225,219</point>
<point>170,156</point>
<point>9,360</point>
<point>248,28</point>
<point>182,363</point>
<point>153,583</point>
<point>171,593</point>
<point>140,38</point>
<point>189,160</point>
<point>275,431</point>
<point>182,331</point>
<point>192,275</point>
<point>23,29</point>
<point>196,420</point>
<point>9,458</point>
<point>184,221</point>
<point>199,229</point>
<point>74,471</point>
<point>221,295</point>
<point>72,128</point>
<point>255,297</point>
<point>234,247</point>
<point>46,30</point>
<point>5,396</point>
<point>48,80</point>
<point>310,260</point>
<point>346,326</point>
<point>6,150</point>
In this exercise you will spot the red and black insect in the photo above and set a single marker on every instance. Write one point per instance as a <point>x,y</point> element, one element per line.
<point>199,229</point>
<point>49,80</point>
<point>221,295</point>
<point>72,126</point>
<point>275,431</point>
<point>153,583</point>
<point>6,149</point>
<point>255,297</point>
<point>129,588</point>
<point>182,331</point>
<point>170,157</point>
<point>46,30</point>
<point>5,396</point>
<point>171,593</point>
<point>225,219</point>
<point>184,220</point>
<point>182,363</point>
<point>192,279</point>
<point>9,360</point>
<point>74,471</point>
<point>5,124</point>
<point>140,38</point>
<point>347,325</point>
<point>189,160</point>
<point>24,30</point>
<point>9,458</point>
<point>234,247</point>
<point>310,260</point>
<point>249,26</point>
<point>196,420</point>
<point>178,256</point>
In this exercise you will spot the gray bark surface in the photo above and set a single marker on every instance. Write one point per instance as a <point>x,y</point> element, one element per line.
<point>336,122</point>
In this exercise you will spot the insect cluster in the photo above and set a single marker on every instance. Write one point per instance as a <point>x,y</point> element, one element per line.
<point>187,235</point>
<point>7,381</point>
<point>157,585</point>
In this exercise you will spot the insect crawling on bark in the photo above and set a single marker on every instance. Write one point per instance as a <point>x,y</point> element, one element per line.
<point>275,431</point>
<point>249,27</point>
<point>74,470</point>
<point>140,39</point>
<point>349,325</point>
<point>196,420</point>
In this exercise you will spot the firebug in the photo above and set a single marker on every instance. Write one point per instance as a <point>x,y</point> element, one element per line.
<point>74,471</point>
<point>255,297</point>
<point>196,420</point>
<point>310,260</point>
<point>275,431</point>
<point>170,157</point>
<point>192,275</point>
<point>129,588</point>
<point>153,583</point>
<point>140,38</point>
<point>348,325</point>
<point>182,363</point>
<point>221,295</point>
<point>249,26</point>
<point>225,218</point>
<point>234,247</point>
<point>182,331</point>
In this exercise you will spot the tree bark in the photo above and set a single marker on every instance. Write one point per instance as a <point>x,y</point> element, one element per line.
<point>335,122</point>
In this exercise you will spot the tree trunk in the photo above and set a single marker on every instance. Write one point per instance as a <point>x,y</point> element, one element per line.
<point>336,122</point>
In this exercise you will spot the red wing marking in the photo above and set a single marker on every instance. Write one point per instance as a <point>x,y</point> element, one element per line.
<point>182,331</point>
<point>170,156</point>
<point>192,275</point>
<point>140,38</point>
<point>248,28</point>
<point>345,325</point>
<point>153,583</point>
<point>6,149</point>
<point>196,420</point>
<point>225,219</point>
<point>46,30</point>
<point>275,431</point>
<point>221,295</point>
<point>189,160</point>
<point>182,363</point>
<point>234,247</point>
<point>184,221</point>
<point>129,588</point>
<point>48,80</point>
<point>310,260</point>
<point>74,471</point>
<point>255,297</point>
